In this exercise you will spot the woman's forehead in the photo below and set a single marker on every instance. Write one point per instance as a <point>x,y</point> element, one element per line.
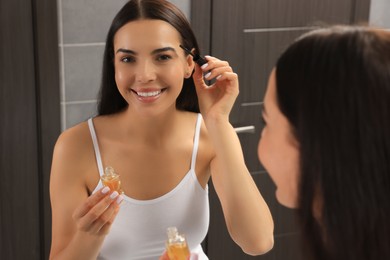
<point>143,33</point>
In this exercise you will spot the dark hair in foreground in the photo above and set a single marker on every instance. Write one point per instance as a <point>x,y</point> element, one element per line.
<point>333,85</point>
<point>110,100</point>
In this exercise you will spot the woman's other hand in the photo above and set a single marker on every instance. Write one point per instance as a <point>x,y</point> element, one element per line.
<point>165,256</point>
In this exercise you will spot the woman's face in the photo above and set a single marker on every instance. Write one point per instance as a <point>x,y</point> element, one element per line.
<point>150,67</point>
<point>278,149</point>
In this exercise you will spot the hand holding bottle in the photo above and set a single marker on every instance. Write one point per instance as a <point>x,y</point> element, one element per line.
<point>98,212</point>
<point>177,248</point>
<point>192,256</point>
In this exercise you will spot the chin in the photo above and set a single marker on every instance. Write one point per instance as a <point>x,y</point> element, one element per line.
<point>287,200</point>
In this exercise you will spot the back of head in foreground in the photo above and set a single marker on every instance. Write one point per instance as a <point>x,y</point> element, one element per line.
<point>333,86</point>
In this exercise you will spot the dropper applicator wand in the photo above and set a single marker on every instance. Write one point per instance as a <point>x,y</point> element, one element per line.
<point>196,57</point>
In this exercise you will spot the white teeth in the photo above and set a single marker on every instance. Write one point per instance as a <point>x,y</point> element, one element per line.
<point>149,94</point>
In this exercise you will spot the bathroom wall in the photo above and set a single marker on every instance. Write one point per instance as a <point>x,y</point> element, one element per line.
<point>83,25</point>
<point>380,13</point>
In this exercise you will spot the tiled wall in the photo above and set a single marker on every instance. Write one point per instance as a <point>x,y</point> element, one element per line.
<point>83,25</point>
<point>380,13</point>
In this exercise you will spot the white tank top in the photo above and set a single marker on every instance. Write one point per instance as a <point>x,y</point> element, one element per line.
<point>139,230</point>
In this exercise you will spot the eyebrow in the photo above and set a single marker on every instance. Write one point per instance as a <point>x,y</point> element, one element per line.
<point>163,50</point>
<point>126,51</point>
<point>153,52</point>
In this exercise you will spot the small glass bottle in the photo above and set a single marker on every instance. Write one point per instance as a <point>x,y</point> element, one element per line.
<point>177,247</point>
<point>111,179</point>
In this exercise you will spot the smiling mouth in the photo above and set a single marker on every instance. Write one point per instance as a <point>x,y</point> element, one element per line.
<point>149,93</point>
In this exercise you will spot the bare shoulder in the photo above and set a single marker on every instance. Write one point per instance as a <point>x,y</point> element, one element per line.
<point>74,142</point>
<point>75,136</point>
<point>73,153</point>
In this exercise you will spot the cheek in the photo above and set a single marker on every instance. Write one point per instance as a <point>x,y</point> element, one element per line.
<point>268,154</point>
<point>120,77</point>
<point>281,163</point>
<point>286,177</point>
<point>172,76</point>
<point>176,73</point>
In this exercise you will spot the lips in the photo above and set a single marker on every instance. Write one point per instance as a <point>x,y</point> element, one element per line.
<point>148,95</point>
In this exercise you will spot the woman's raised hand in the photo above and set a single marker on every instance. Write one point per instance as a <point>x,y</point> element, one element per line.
<point>96,215</point>
<point>218,98</point>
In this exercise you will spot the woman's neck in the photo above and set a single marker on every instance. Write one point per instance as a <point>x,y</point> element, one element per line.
<point>150,128</point>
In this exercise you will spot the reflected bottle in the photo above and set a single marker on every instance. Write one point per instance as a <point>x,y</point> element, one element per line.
<point>111,179</point>
<point>176,244</point>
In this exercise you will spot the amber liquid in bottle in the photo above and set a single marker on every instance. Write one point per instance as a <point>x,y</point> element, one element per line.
<point>111,179</point>
<point>177,248</point>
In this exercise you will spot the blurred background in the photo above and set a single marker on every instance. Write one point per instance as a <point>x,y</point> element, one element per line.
<point>50,69</point>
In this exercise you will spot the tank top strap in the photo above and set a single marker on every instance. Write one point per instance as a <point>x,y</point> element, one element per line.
<point>196,141</point>
<point>96,146</point>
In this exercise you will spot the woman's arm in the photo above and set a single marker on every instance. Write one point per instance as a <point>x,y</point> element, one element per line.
<point>79,222</point>
<point>247,215</point>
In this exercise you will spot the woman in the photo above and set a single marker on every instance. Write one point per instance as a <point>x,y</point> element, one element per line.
<point>326,140</point>
<point>149,130</point>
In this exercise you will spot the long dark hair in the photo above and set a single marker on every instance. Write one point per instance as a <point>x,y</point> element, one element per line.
<point>110,100</point>
<point>333,85</point>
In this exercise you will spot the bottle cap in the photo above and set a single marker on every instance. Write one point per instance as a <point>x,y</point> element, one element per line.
<point>110,172</point>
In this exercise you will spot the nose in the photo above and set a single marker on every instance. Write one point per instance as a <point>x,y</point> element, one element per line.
<point>145,72</point>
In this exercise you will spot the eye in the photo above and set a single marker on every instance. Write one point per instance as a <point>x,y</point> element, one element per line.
<point>164,57</point>
<point>127,59</point>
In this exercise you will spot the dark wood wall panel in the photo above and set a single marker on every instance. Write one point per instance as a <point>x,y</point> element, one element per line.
<point>201,24</point>
<point>48,109</point>
<point>30,124</point>
<point>294,13</point>
<point>260,52</point>
<point>19,211</point>
<point>361,12</point>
